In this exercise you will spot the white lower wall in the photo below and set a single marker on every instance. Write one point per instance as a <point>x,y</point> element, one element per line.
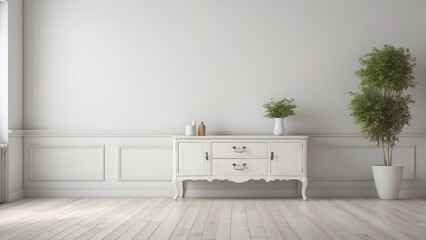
<point>16,165</point>
<point>133,164</point>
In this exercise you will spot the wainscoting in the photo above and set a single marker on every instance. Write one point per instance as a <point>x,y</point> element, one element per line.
<point>136,164</point>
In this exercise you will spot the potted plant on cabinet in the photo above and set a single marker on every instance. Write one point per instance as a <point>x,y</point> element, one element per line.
<point>381,108</point>
<point>279,110</point>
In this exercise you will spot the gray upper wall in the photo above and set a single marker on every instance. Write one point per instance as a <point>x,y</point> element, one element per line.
<point>157,65</point>
<point>15,64</point>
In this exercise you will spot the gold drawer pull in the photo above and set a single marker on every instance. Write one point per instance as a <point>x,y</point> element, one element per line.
<point>207,156</point>
<point>239,150</point>
<point>272,155</point>
<point>239,166</point>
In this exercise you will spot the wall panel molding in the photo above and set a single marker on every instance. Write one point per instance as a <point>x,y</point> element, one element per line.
<point>154,154</point>
<point>405,157</point>
<point>73,162</point>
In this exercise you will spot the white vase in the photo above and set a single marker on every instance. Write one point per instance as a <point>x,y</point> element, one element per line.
<point>388,180</point>
<point>279,127</point>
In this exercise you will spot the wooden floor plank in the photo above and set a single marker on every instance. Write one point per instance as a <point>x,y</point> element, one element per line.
<point>29,213</point>
<point>333,228</point>
<point>224,224</point>
<point>304,227</point>
<point>102,208</point>
<point>271,229</point>
<point>239,224</point>
<point>126,226</point>
<point>286,231</point>
<point>207,218</point>
<point>7,209</point>
<point>166,228</point>
<point>52,220</point>
<point>200,222</point>
<point>96,227</point>
<point>254,221</point>
<point>381,228</point>
<point>135,231</point>
<point>79,229</point>
<point>384,214</point>
<point>212,221</point>
<point>150,223</point>
<point>184,227</point>
<point>120,219</point>
<point>29,218</point>
<point>95,206</point>
<point>358,226</point>
<point>148,230</point>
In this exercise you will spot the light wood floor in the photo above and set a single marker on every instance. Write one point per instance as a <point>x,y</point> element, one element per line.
<point>201,218</point>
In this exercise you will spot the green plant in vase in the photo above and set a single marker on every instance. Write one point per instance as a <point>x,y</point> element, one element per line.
<point>278,110</point>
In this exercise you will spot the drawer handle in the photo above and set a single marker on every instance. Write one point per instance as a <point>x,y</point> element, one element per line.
<point>272,155</point>
<point>239,150</point>
<point>207,156</point>
<point>239,166</point>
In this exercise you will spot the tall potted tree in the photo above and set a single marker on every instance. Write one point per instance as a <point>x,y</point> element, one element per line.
<point>381,108</point>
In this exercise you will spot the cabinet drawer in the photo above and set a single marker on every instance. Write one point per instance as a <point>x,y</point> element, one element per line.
<point>240,150</point>
<point>238,167</point>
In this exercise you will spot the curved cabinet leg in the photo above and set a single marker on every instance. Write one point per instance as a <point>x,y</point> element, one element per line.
<point>175,185</point>
<point>304,185</point>
<point>180,186</point>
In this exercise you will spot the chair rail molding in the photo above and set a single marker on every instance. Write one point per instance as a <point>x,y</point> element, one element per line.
<point>167,133</point>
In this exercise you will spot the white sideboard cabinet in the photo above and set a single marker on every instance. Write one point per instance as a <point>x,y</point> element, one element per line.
<point>239,159</point>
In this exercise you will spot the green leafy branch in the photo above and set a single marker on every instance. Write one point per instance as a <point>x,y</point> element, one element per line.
<point>279,109</point>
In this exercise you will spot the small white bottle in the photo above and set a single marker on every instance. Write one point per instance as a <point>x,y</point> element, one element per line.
<point>194,128</point>
<point>188,130</point>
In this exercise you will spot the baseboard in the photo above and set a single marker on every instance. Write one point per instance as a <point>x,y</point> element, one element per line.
<point>215,192</point>
<point>361,193</point>
<point>413,193</point>
<point>164,192</point>
<point>16,195</point>
<point>77,193</point>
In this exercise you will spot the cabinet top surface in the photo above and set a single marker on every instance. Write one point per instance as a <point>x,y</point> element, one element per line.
<point>240,137</point>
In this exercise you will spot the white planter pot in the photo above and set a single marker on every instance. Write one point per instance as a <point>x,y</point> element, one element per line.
<point>279,127</point>
<point>388,180</point>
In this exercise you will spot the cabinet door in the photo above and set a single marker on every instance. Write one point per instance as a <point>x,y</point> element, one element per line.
<point>194,159</point>
<point>287,158</point>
